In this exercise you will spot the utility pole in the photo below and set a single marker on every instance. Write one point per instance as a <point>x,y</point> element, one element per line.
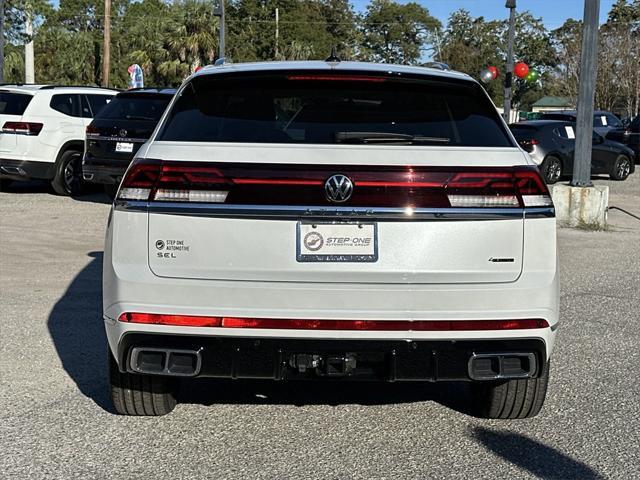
<point>586,92</point>
<point>508,74</point>
<point>29,71</point>
<point>222,27</point>
<point>277,30</point>
<point>1,41</point>
<point>106,50</point>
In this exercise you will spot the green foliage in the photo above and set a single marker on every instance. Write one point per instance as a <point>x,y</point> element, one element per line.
<point>170,38</point>
<point>396,33</point>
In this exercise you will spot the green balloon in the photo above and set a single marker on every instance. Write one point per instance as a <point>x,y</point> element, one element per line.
<point>532,76</point>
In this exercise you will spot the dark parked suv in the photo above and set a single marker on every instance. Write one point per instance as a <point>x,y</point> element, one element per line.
<point>115,135</point>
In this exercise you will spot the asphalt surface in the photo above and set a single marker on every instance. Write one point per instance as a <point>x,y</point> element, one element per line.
<point>56,420</point>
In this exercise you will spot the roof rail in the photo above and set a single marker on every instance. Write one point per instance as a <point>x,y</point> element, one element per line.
<point>51,87</point>
<point>437,65</point>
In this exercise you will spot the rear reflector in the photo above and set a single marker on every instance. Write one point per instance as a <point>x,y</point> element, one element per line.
<point>290,324</point>
<point>304,185</point>
<point>22,128</point>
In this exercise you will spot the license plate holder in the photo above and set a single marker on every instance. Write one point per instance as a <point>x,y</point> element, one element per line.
<point>126,147</point>
<point>336,242</point>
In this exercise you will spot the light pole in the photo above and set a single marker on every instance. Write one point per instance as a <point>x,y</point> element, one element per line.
<point>219,12</point>
<point>588,71</point>
<point>508,75</point>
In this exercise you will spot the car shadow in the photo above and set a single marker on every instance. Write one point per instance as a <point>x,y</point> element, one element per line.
<point>535,457</point>
<point>453,395</point>
<point>91,193</point>
<point>77,330</point>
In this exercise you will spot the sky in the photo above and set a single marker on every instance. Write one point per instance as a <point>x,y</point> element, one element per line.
<point>553,12</point>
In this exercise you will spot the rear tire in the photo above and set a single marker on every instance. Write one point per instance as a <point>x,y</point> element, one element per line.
<point>621,168</point>
<point>68,178</point>
<point>510,399</point>
<point>134,394</point>
<point>551,169</point>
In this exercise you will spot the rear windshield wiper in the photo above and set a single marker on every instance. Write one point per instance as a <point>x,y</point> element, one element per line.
<point>138,117</point>
<point>387,137</point>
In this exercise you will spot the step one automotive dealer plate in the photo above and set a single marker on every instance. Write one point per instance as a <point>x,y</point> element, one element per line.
<point>124,147</point>
<point>337,242</point>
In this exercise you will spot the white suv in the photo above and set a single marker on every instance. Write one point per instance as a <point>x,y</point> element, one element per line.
<point>331,220</point>
<point>43,131</point>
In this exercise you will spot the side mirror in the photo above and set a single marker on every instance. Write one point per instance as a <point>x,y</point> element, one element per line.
<point>597,139</point>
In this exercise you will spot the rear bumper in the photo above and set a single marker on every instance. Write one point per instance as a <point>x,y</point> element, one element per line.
<point>104,171</point>
<point>26,169</point>
<point>279,358</point>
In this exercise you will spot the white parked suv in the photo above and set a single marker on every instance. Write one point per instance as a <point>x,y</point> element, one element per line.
<point>331,220</point>
<point>43,131</point>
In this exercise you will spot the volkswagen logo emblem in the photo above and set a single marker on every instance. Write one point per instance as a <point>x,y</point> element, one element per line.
<point>338,188</point>
<point>122,133</point>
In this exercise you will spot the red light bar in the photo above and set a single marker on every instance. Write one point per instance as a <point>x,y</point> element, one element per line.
<point>267,181</point>
<point>361,325</point>
<point>338,78</point>
<point>176,320</point>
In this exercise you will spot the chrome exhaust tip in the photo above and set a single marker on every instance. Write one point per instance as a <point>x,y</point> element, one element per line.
<point>162,361</point>
<point>502,366</point>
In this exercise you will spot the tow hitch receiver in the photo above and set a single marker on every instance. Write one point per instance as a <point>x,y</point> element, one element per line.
<point>324,365</point>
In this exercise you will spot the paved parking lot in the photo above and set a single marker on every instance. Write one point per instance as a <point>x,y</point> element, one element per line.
<point>56,420</point>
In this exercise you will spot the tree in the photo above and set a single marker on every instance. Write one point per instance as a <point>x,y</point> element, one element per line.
<point>567,41</point>
<point>397,33</point>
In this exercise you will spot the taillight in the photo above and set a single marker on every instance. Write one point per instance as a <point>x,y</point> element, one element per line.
<point>304,185</point>
<point>22,128</point>
<point>310,324</point>
<point>528,145</point>
<point>92,131</point>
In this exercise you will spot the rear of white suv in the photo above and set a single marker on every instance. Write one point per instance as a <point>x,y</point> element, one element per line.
<point>344,221</point>
<point>43,131</point>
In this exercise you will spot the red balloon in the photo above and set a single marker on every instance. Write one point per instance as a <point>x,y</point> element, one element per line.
<point>521,69</point>
<point>494,71</point>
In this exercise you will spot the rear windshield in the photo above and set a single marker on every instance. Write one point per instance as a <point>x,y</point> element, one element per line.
<point>558,116</point>
<point>145,108</point>
<point>328,108</point>
<point>523,132</point>
<point>13,103</point>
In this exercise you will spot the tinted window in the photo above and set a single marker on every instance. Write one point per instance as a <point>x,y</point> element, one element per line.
<point>567,132</point>
<point>635,125</point>
<point>69,104</point>
<point>523,132</point>
<point>126,107</point>
<point>598,121</point>
<point>328,108</point>
<point>558,116</point>
<point>86,110</point>
<point>613,120</point>
<point>14,103</point>
<point>98,102</point>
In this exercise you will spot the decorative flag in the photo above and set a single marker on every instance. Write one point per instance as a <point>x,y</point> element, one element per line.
<point>136,76</point>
